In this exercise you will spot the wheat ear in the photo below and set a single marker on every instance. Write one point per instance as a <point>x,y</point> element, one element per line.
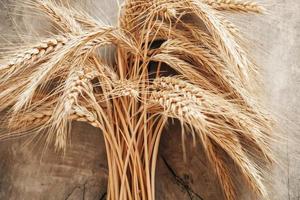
<point>189,112</point>
<point>195,111</point>
<point>185,69</point>
<point>77,47</point>
<point>232,52</point>
<point>207,63</point>
<point>227,108</point>
<point>235,6</point>
<point>40,117</point>
<point>78,84</point>
<point>31,57</point>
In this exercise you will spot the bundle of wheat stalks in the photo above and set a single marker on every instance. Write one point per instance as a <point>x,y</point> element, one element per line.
<point>178,59</point>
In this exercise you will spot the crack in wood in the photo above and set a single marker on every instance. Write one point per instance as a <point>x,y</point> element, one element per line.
<point>83,192</point>
<point>103,196</point>
<point>69,195</point>
<point>81,187</point>
<point>181,182</point>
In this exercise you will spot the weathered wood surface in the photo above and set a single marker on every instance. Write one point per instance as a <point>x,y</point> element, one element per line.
<point>82,172</point>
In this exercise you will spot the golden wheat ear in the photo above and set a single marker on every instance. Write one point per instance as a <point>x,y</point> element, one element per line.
<point>210,116</point>
<point>235,6</point>
<point>223,32</point>
<point>29,58</point>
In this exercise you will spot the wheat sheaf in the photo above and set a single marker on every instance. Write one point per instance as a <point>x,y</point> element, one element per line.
<point>163,66</point>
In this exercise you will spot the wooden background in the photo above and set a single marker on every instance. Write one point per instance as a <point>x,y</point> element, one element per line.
<point>82,172</point>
